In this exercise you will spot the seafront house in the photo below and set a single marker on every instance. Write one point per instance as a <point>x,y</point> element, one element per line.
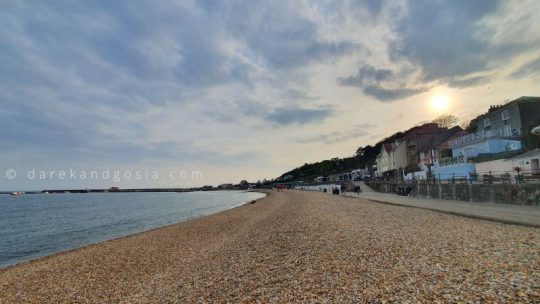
<point>383,159</point>
<point>392,159</point>
<point>492,150</point>
<point>437,148</point>
<point>434,155</point>
<point>503,128</point>
<point>399,159</point>
<point>404,153</point>
<point>420,139</point>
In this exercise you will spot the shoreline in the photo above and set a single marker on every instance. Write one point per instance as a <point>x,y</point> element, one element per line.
<point>294,246</point>
<point>267,193</point>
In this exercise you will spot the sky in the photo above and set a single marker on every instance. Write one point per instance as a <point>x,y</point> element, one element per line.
<point>187,93</point>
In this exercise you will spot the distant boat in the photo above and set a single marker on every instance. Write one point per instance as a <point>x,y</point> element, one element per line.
<point>16,193</point>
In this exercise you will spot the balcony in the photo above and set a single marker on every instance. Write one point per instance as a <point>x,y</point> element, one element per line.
<point>448,161</point>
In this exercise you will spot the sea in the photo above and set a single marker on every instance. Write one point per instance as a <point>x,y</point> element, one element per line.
<point>37,225</point>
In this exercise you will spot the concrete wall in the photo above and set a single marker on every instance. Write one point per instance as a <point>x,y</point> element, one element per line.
<point>528,163</point>
<point>418,175</point>
<point>318,187</point>
<point>458,171</point>
<point>497,193</point>
<point>496,167</point>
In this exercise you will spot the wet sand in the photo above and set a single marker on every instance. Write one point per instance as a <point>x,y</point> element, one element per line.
<point>295,246</point>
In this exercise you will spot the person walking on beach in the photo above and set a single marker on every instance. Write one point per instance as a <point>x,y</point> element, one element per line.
<point>357,189</point>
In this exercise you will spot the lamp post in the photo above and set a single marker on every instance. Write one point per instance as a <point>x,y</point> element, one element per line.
<point>536,131</point>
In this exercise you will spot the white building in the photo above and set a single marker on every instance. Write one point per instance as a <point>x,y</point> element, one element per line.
<point>527,162</point>
<point>393,156</point>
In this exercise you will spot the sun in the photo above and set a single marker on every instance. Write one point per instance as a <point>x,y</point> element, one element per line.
<point>440,103</point>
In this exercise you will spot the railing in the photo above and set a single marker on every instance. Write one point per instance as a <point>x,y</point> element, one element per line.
<point>488,177</point>
<point>448,161</point>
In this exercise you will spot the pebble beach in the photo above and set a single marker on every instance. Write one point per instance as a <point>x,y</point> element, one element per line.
<point>295,246</point>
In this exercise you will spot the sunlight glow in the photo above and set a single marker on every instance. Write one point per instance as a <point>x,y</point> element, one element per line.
<point>440,103</point>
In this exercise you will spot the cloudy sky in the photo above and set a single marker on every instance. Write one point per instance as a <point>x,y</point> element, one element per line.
<point>242,89</point>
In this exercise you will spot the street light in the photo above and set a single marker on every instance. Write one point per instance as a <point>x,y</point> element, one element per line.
<point>536,131</point>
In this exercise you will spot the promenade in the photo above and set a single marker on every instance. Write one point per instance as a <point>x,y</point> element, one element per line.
<point>300,247</point>
<point>504,213</point>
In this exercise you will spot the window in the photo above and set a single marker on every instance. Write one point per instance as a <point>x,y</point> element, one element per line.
<point>505,115</point>
<point>487,122</point>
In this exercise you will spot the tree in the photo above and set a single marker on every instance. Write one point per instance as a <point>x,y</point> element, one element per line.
<point>446,121</point>
<point>466,124</point>
<point>469,126</point>
<point>360,151</point>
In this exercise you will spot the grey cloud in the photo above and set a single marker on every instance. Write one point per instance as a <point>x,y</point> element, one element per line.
<point>367,74</point>
<point>373,6</point>
<point>297,115</point>
<point>465,82</point>
<point>384,94</point>
<point>530,68</point>
<point>296,94</point>
<point>445,38</point>
<point>339,136</point>
<point>445,42</point>
<point>276,32</point>
<point>383,84</point>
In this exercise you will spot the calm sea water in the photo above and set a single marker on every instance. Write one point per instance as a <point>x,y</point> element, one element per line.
<point>37,225</point>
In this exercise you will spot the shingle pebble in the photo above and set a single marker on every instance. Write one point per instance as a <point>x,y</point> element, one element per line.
<point>295,246</point>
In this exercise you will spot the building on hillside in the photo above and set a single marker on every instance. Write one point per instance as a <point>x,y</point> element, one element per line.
<point>503,128</point>
<point>393,158</point>
<point>420,139</point>
<point>433,151</point>
<point>398,158</point>
<point>383,159</point>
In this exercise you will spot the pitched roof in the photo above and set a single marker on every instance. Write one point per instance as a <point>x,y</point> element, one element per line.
<point>440,138</point>
<point>495,108</point>
<point>532,153</point>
